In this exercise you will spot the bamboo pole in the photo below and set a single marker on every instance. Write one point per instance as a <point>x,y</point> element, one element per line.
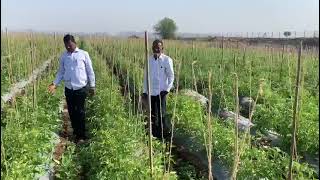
<point>194,76</point>
<point>236,148</point>
<point>210,175</point>
<point>282,58</point>
<point>295,117</point>
<point>220,70</point>
<point>112,69</point>
<point>134,84</point>
<point>9,58</point>
<point>149,102</point>
<point>32,57</point>
<point>173,116</point>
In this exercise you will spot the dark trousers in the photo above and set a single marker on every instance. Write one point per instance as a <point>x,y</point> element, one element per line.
<point>76,108</point>
<point>160,126</point>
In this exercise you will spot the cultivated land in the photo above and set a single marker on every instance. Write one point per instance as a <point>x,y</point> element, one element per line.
<point>255,82</point>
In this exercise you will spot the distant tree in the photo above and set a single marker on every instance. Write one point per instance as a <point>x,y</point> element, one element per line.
<point>166,28</point>
<point>287,33</point>
<point>265,35</point>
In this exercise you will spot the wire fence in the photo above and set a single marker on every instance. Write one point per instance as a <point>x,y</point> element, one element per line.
<point>285,34</point>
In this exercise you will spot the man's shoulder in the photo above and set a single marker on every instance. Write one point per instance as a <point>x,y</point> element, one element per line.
<point>166,58</point>
<point>63,54</point>
<point>84,52</point>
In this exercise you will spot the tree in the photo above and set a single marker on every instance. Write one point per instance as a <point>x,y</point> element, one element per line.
<point>166,28</point>
<point>287,33</point>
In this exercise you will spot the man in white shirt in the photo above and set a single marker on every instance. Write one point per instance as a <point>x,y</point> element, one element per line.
<point>77,72</point>
<point>161,81</point>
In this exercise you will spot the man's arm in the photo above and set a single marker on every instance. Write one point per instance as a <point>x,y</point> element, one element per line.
<point>89,70</point>
<point>60,72</point>
<point>170,74</point>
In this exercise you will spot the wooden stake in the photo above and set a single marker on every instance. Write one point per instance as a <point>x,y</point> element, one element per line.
<point>295,117</point>
<point>149,102</point>
<point>9,58</point>
<point>236,148</point>
<point>173,117</point>
<point>210,176</point>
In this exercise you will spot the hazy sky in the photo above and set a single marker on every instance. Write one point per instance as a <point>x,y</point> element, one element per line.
<point>193,16</point>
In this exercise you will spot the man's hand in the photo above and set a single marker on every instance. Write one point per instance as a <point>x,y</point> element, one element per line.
<point>52,88</point>
<point>92,91</point>
<point>163,93</point>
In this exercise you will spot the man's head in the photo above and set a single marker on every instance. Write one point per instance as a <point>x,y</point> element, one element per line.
<point>157,46</point>
<point>69,43</point>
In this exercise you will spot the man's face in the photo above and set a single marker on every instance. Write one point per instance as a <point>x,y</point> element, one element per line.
<point>157,48</point>
<point>70,46</point>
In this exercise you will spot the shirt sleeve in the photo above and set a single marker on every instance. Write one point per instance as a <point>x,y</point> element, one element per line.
<point>170,74</point>
<point>89,70</point>
<point>60,72</point>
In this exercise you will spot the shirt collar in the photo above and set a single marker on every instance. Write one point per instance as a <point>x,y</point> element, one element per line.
<point>75,50</point>
<point>160,57</point>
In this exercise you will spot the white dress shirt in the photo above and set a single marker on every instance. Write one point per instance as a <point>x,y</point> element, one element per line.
<point>76,70</point>
<point>161,75</point>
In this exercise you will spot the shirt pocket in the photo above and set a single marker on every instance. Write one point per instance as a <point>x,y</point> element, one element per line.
<point>68,69</point>
<point>80,64</point>
<point>81,68</point>
<point>162,69</point>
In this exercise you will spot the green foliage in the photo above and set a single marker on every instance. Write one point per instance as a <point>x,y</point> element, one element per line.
<point>166,28</point>
<point>16,60</point>
<point>274,108</point>
<point>83,45</point>
<point>27,138</point>
<point>69,167</point>
<point>118,147</point>
<point>276,114</point>
<point>255,163</point>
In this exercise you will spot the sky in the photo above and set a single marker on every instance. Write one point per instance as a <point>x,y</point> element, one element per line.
<point>191,16</point>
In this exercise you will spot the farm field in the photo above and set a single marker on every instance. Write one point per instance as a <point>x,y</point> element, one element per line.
<point>35,142</point>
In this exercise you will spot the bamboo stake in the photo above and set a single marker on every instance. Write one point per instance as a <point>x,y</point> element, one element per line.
<point>194,77</point>
<point>3,155</point>
<point>32,67</point>
<point>112,69</point>
<point>134,84</point>
<point>129,94</point>
<point>149,102</point>
<point>295,117</point>
<point>282,58</point>
<point>210,175</point>
<point>173,116</point>
<point>271,68</point>
<point>236,161</point>
<point>220,69</point>
<point>9,58</point>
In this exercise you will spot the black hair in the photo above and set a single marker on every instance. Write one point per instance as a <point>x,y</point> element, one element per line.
<point>155,42</point>
<point>68,38</point>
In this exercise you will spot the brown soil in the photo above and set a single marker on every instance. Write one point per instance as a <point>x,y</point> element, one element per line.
<point>65,135</point>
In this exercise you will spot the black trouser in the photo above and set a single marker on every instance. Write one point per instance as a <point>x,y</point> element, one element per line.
<point>160,126</point>
<point>76,109</point>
